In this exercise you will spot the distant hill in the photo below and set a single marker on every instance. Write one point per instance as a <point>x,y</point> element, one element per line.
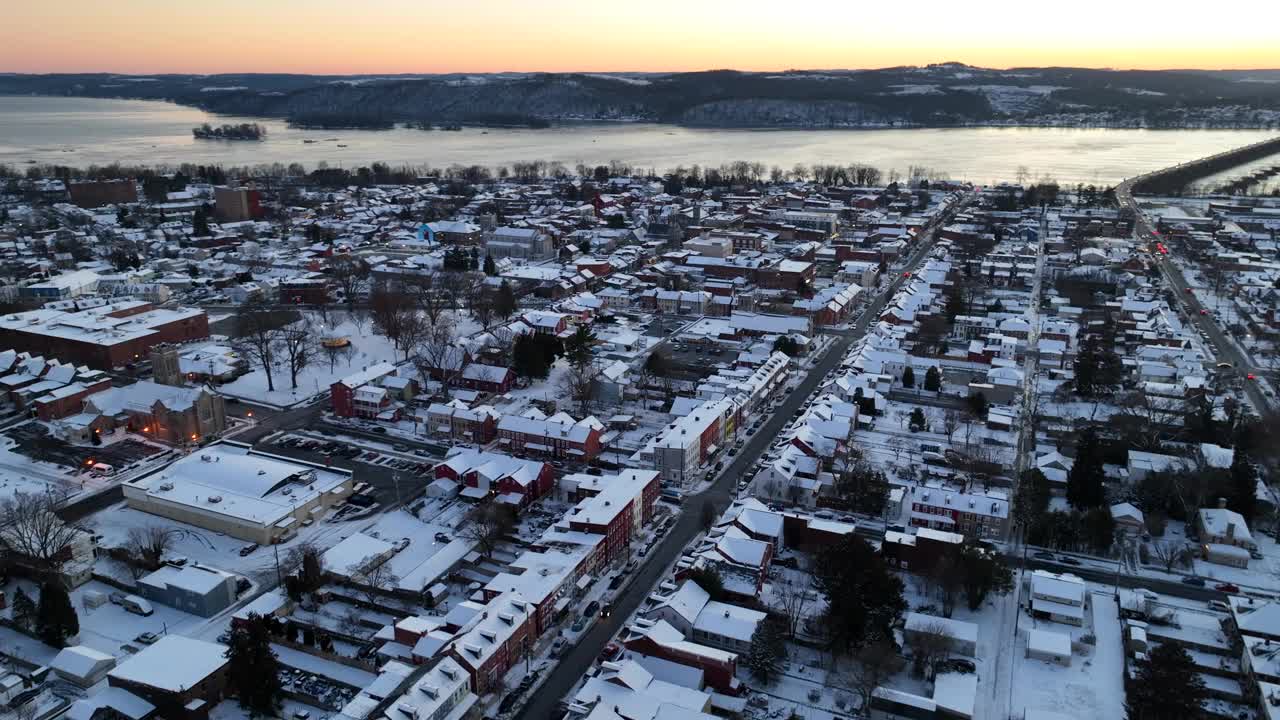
<point>937,95</point>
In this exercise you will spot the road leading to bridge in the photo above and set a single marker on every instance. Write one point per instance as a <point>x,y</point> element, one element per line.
<point>1224,348</point>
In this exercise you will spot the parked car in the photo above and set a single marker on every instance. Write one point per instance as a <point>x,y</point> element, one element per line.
<point>592,608</point>
<point>1219,605</point>
<point>248,549</point>
<point>147,638</point>
<point>1068,560</point>
<point>1042,555</point>
<point>1197,581</point>
<point>1227,588</point>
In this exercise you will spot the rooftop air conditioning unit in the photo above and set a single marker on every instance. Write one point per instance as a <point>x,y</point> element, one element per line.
<point>215,499</point>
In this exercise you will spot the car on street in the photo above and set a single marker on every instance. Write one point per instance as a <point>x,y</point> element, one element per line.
<point>1044,556</point>
<point>1227,588</point>
<point>147,638</point>
<point>592,608</point>
<point>1067,560</point>
<point>248,549</point>
<point>1196,581</point>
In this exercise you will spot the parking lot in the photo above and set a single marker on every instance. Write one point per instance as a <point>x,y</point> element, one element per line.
<point>393,476</point>
<point>33,440</point>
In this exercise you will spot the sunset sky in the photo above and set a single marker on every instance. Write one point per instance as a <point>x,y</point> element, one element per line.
<point>427,36</point>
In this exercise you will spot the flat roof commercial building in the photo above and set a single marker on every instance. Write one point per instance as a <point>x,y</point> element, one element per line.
<point>228,487</point>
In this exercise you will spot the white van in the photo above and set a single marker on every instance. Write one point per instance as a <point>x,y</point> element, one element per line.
<point>137,605</point>
<point>102,469</point>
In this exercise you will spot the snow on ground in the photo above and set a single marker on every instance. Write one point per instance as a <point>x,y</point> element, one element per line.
<point>367,348</point>
<point>345,674</point>
<point>199,545</point>
<point>1093,687</point>
<point>230,709</point>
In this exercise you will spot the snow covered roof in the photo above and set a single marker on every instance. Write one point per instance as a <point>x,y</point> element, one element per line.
<point>174,663</point>
<point>79,661</point>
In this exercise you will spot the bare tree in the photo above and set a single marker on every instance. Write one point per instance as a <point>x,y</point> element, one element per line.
<point>30,527</point>
<point>256,336</point>
<point>790,598</point>
<point>427,293</point>
<point>873,665</point>
<point>947,578</point>
<point>579,383</point>
<point>1169,554</point>
<point>377,579</point>
<point>438,355</point>
<point>148,545</point>
<point>351,274</point>
<point>387,305</point>
<point>298,347</point>
<point>305,560</point>
<point>413,328</point>
<point>486,525</point>
<point>950,423</point>
<point>928,644</point>
<point>898,446</point>
<point>480,303</point>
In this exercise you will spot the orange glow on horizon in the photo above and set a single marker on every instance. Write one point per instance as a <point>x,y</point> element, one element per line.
<point>429,36</point>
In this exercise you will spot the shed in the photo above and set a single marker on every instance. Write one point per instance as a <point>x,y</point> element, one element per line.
<point>1049,646</point>
<point>963,635</point>
<point>82,666</point>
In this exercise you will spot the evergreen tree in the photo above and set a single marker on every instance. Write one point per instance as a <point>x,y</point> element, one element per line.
<point>786,345</point>
<point>528,360</point>
<point>933,380</point>
<point>578,347</point>
<point>1100,529</point>
<point>1168,685</point>
<point>768,650</point>
<point>908,378</point>
<point>983,572</point>
<point>253,671</point>
<point>978,405</point>
<point>864,598</point>
<point>56,618</point>
<point>24,609</point>
<point>1244,484</point>
<point>490,267</point>
<point>1084,481</point>
<point>1031,500</point>
<point>200,223</point>
<point>504,303</point>
<point>917,422</point>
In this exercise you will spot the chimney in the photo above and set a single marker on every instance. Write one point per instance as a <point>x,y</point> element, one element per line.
<point>1222,503</point>
<point>1231,530</point>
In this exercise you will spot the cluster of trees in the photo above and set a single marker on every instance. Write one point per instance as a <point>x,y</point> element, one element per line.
<point>974,571</point>
<point>274,339</point>
<point>579,382</point>
<point>52,618</point>
<point>534,354</point>
<point>1098,369</point>
<point>863,487</point>
<point>241,131</point>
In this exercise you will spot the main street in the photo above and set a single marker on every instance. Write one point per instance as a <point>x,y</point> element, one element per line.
<point>1224,348</point>
<point>575,663</point>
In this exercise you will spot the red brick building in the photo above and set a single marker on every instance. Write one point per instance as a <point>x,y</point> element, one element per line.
<point>102,338</point>
<point>615,506</point>
<point>342,394</point>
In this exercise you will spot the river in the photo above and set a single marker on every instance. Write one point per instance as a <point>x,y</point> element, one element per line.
<point>87,131</point>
